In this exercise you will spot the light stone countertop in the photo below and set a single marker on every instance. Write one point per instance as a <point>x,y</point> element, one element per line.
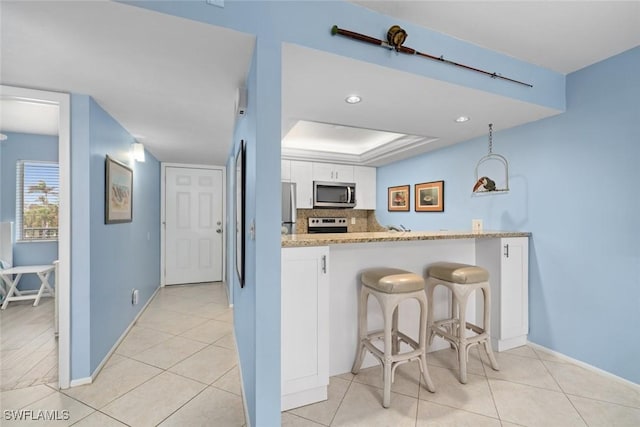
<point>301,240</point>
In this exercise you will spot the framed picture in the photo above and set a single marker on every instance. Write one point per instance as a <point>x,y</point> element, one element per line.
<point>240,208</point>
<point>118,204</point>
<point>429,197</point>
<point>398,199</point>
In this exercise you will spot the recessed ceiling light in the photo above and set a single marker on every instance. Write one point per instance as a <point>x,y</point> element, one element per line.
<point>352,99</point>
<point>462,119</point>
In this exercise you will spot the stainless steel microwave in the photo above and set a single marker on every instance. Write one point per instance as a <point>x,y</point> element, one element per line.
<point>328,194</point>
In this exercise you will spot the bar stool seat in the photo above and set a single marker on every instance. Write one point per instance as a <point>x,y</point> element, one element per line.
<point>391,286</point>
<point>462,280</point>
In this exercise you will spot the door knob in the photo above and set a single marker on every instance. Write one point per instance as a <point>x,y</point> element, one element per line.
<point>219,230</point>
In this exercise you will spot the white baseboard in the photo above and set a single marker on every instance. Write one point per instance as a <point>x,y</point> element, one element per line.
<point>81,381</point>
<point>244,395</point>
<point>508,344</point>
<point>586,366</point>
<point>89,380</point>
<point>306,397</point>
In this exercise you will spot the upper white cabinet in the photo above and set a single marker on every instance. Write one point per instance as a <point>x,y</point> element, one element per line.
<point>332,172</point>
<point>301,174</point>
<point>285,170</point>
<point>365,179</point>
<point>507,261</point>
<point>304,173</point>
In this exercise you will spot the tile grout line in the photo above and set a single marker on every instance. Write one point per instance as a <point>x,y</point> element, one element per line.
<point>566,396</point>
<point>181,406</point>
<point>342,400</point>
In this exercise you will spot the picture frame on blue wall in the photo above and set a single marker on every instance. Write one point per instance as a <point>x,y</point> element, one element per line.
<point>398,198</point>
<point>118,203</point>
<point>429,197</point>
<point>240,210</point>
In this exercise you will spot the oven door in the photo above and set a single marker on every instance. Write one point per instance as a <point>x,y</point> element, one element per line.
<point>334,194</point>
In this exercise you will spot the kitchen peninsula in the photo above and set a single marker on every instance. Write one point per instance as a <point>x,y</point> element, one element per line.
<point>320,274</point>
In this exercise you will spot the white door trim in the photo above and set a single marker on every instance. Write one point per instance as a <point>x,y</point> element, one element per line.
<point>63,288</point>
<point>163,182</point>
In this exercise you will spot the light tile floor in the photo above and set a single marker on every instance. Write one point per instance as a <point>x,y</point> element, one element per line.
<point>178,367</point>
<point>28,347</point>
<point>532,388</point>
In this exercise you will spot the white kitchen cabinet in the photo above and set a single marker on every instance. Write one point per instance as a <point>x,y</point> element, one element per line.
<point>365,179</point>
<point>332,172</point>
<point>285,170</point>
<point>305,325</point>
<point>507,260</point>
<point>301,174</point>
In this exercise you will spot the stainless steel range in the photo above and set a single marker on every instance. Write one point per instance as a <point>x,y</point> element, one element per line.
<point>327,225</point>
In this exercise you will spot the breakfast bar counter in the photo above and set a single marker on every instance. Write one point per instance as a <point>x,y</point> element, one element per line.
<point>320,287</point>
<point>301,240</point>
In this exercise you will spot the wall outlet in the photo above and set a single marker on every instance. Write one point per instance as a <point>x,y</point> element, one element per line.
<point>476,225</point>
<point>135,297</point>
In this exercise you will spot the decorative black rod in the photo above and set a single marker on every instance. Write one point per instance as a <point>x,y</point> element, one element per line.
<point>371,40</point>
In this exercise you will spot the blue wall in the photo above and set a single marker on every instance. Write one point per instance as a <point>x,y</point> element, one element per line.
<point>259,358</point>
<point>573,180</point>
<point>108,261</point>
<point>21,146</point>
<point>308,23</point>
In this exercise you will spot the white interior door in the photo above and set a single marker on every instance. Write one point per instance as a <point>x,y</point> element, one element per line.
<point>193,233</point>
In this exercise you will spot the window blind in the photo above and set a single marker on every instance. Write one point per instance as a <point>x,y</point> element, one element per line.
<point>37,194</point>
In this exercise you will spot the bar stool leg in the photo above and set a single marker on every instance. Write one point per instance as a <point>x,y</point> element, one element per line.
<point>486,292</point>
<point>395,349</point>
<point>389,311</point>
<point>362,329</point>
<point>423,345</point>
<point>430,331</point>
<point>462,335</point>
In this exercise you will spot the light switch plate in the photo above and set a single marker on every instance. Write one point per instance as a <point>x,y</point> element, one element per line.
<point>476,225</point>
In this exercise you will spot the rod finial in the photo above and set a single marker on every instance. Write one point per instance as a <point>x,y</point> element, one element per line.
<point>334,30</point>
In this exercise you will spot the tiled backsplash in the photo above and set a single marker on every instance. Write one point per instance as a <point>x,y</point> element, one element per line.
<point>365,219</point>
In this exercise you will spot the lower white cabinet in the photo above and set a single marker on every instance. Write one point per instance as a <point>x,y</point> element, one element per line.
<point>305,325</point>
<point>507,260</point>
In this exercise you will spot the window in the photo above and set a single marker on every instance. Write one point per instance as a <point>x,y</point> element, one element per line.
<point>37,201</point>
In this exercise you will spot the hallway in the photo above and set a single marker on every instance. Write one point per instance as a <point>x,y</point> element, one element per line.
<point>177,366</point>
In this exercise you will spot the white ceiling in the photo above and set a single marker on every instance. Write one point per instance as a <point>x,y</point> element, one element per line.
<point>169,81</point>
<point>19,115</point>
<point>179,101</point>
<point>563,36</point>
<point>392,101</point>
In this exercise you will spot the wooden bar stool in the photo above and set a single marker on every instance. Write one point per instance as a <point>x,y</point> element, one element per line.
<point>462,280</point>
<point>391,286</point>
